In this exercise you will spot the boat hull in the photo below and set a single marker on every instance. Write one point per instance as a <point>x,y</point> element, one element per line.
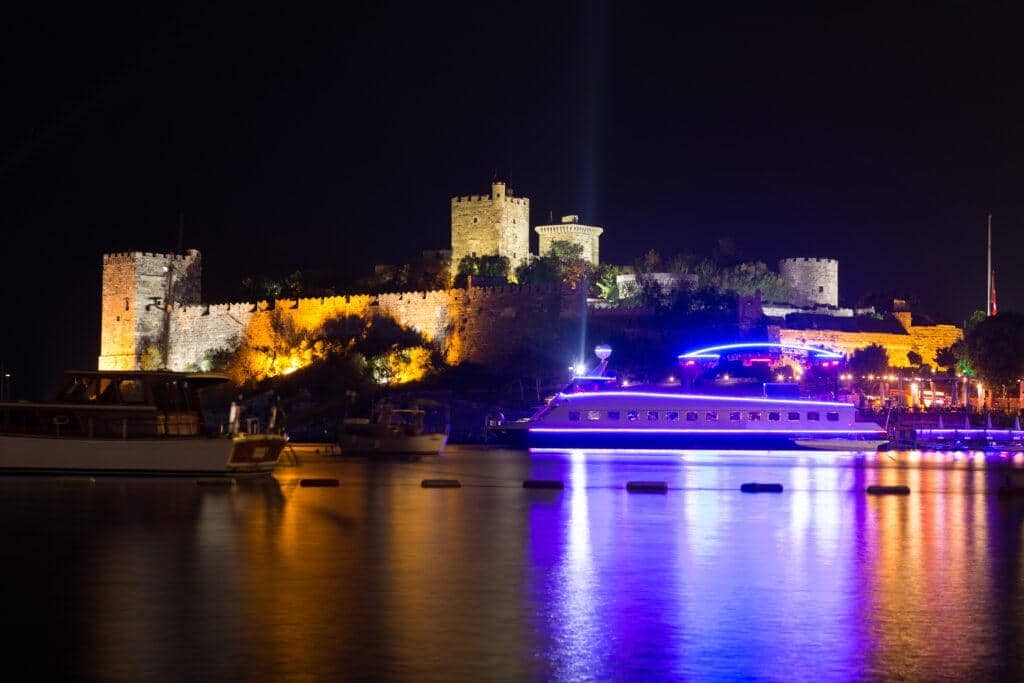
<point>243,454</point>
<point>392,444</point>
<point>690,441</point>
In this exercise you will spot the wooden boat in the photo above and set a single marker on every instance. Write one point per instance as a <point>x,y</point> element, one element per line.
<point>128,422</point>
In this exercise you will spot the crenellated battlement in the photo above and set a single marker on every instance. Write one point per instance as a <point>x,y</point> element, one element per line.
<point>126,256</point>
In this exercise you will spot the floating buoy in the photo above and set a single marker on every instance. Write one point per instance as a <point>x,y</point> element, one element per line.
<point>1007,490</point>
<point>76,481</point>
<point>647,487</point>
<point>441,484</point>
<point>755,487</point>
<point>306,483</point>
<point>215,481</point>
<point>543,484</point>
<point>878,490</point>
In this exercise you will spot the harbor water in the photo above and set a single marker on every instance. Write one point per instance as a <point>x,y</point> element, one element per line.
<point>129,579</point>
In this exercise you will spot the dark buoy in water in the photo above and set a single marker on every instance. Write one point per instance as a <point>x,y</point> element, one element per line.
<point>878,490</point>
<point>306,483</point>
<point>1008,490</point>
<point>441,484</point>
<point>647,487</point>
<point>543,484</point>
<point>215,481</point>
<point>755,487</point>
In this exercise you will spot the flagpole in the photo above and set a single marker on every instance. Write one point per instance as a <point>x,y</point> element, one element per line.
<point>988,299</point>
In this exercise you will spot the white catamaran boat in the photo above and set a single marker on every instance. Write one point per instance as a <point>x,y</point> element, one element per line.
<point>595,412</point>
<point>128,422</point>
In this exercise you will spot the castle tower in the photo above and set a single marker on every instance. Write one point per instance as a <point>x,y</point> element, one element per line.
<point>571,230</point>
<point>498,225</point>
<point>812,281</point>
<point>137,286</point>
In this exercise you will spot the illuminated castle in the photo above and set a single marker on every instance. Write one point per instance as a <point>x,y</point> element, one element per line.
<point>572,231</point>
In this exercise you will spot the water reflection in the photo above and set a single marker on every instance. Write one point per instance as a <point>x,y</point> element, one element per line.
<point>161,579</point>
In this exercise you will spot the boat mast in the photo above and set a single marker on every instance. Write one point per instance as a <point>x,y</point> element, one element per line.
<point>988,298</point>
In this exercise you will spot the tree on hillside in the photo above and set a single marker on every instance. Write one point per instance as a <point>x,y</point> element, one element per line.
<point>914,358</point>
<point>563,263</point>
<point>946,358</point>
<point>995,348</point>
<point>487,266</point>
<point>870,360</point>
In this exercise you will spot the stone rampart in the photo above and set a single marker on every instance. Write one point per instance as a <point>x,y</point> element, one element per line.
<point>481,324</point>
<point>925,340</point>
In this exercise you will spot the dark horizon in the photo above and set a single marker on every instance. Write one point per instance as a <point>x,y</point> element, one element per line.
<point>334,140</point>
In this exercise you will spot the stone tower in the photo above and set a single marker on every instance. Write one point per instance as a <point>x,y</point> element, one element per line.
<point>498,225</point>
<point>812,281</point>
<point>137,286</point>
<point>571,230</point>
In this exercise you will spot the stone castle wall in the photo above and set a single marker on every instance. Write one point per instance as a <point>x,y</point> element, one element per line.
<point>495,225</point>
<point>569,230</point>
<point>812,281</point>
<point>924,339</point>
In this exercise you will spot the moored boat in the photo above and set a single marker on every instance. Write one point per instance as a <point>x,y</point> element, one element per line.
<point>392,431</point>
<point>128,422</point>
<point>594,411</point>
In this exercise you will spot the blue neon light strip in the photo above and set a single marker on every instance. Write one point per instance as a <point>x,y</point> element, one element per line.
<point>667,430</point>
<point>598,378</point>
<point>702,397</point>
<point>711,352</point>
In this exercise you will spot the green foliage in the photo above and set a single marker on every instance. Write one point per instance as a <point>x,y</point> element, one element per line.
<point>870,360</point>
<point>487,266</point>
<point>976,318</point>
<point>744,279</point>
<point>563,263</point>
<point>605,284</point>
<point>995,349</point>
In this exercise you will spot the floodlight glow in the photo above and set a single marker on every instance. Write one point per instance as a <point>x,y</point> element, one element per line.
<point>713,352</point>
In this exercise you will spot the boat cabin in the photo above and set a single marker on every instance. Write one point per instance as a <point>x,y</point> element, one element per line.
<point>115,404</point>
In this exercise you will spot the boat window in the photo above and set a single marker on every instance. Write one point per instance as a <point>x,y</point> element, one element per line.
<point>593,415</point>
<point>672,416</point>
<point>652,415</point>
<point>832,416</point>
<point>754,416</point>
<point>633,415</point>
<point>613,415</point>
<point>163,397</point>
<point>773,416</point>
<point>691,416</point>
<point>711,416</point>
<point>814,416</point>
<point>735,416</point>
<point>574,416</point>
<point>132,391</point>
<point>793,415</point>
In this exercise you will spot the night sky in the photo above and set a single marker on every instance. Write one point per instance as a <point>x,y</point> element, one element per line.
<point>333,138</point>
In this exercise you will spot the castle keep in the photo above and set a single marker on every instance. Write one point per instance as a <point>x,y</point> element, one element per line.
<point>498,225</point>
<point>570,230</point>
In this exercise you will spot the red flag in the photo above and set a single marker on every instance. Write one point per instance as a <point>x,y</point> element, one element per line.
<point>993,309</point>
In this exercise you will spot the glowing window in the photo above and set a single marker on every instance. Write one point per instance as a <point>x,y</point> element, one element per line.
<point>792,416</point>
<point>735,416</point>
<point>593,415</point>
<point>613,415</point>
<point>652,415</point>
<point>633,415</point>
<point>574,416</point>
<point>774,416</point>
<point>711,416</point>
<point>691,416</point>
<point>832,416</point>
<point>754,416</point>
<point>672,416</point>
<point>814,416</point>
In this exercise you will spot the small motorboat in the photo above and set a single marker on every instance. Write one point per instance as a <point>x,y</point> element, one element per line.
<point>136,422</point>
<point>392,431</point>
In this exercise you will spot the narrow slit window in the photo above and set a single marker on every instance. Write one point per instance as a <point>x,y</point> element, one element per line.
<point>814,416</point>
<point>754,416</point>
<point>633,415</point>
<point>832,416</point>
<point>593,415</point>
